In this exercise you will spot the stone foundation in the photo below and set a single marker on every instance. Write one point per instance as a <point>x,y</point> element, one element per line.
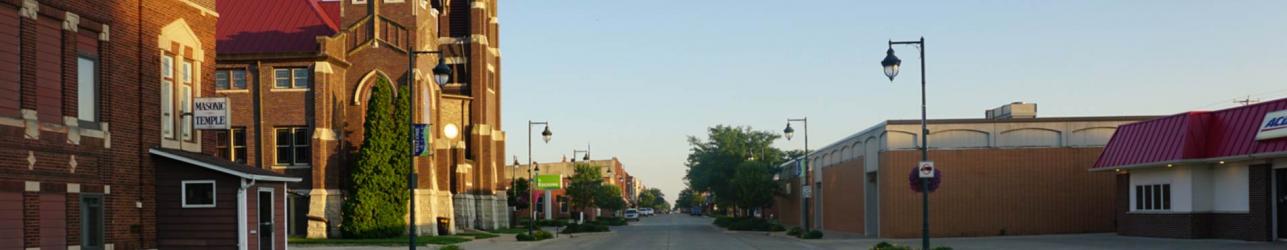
<point>480,212</point>
<point>430,205</point>
<point>324,212</point>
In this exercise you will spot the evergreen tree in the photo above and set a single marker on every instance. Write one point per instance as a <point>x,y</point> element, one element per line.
<point>377,201</point>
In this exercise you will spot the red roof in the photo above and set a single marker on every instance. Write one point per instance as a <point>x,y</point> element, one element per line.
<point>270,26</point>
<point>1192,136</point>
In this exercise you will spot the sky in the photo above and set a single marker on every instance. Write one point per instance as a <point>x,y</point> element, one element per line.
<point>634,79</point>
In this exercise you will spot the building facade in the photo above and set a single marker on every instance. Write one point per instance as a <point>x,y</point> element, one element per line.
<point>1013,174</point>
<point>299,84</point>
<point>1218,174</point>
<point>86,90</point>
<point>553,204</point>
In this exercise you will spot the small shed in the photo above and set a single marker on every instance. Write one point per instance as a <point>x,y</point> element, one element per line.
<point>208,202</point>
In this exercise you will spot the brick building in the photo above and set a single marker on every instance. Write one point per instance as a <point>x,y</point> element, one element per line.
<point>298,84</point>
<point>1217,174</point>
<point>553,203</point>
<point>83,97</point>
<point>1009,174</point>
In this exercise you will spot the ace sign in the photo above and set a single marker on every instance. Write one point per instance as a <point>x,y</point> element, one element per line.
<point>210,113</point>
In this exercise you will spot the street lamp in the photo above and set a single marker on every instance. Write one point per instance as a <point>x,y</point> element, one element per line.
<point>891,64</point>
<point>789,133</point>
<point>441,74</point>
<point>545,135</point>
<point>585,152</point>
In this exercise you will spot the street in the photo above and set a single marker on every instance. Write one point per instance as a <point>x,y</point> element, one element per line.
<point>675,231</point>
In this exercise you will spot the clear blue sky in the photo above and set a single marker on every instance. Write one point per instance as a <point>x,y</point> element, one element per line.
<point>634,78</point>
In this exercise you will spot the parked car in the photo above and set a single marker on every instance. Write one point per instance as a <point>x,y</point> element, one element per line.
<point>647,211</point>
<point>695,211</point>
<point>632,214</point>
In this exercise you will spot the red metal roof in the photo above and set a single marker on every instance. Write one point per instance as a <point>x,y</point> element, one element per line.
<point>271,26</point>
<point>1192,136</point>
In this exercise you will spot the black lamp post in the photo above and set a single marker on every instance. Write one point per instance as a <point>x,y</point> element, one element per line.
<point>546,136</point>
<point>789,133</point>
<point>585,152</point>
<point>441,74</point>
<point>891,64</point>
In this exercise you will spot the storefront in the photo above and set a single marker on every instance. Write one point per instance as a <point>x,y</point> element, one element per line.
<point>1218,174</point>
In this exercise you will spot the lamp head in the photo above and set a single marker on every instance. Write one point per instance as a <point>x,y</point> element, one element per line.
<point>442,73</point>
<point>546,135</point>
<point>788,132</point>
<point>891,64</point>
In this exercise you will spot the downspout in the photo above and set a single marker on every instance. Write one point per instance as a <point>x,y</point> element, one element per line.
<point>242,235</point>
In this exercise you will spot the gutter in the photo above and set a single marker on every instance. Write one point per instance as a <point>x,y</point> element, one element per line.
<point>1214,160</point>
<point>242,236</point>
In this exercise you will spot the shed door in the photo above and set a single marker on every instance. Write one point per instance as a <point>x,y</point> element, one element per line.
<point>265,220</point>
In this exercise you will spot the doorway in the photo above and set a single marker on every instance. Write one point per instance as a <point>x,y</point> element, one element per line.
<point>1280,200</point>
<point>265,212</point>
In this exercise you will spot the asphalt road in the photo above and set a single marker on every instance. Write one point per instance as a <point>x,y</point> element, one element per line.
<point>672,232</point>
<point>690,232</point>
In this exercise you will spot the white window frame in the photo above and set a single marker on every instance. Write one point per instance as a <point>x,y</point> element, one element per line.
<point>1163,202</point>
<point>167,96</point>
<point>183,193</point>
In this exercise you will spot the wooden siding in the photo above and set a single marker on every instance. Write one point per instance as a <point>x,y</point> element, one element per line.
<point>987,192</point>
<point>179,227</point>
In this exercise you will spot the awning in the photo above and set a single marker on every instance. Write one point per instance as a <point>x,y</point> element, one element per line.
<point>222,165</point>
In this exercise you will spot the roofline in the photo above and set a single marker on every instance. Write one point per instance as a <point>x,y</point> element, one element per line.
<point>221,169</point>
<point>851,136</point>
<point>1043,119</point>
<point>1268,155</point>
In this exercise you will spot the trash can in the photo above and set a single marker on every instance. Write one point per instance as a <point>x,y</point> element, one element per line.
<point>444,224</point>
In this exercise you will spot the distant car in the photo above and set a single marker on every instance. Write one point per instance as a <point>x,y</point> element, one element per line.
<point>696,211</point>
<point>632,214</point>
<point>647,211</point>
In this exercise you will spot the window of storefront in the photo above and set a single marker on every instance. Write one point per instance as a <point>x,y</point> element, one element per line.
<point>1154,197</point>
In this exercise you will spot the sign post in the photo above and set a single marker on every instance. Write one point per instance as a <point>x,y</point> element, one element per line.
<point>210,113</point>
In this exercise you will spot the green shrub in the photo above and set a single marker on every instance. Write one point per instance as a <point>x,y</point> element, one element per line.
<point>610,221</point>
<point>543,235</point>
<point>795,231</point>
<point>377,200</point>
<point>886,246</point>
<point>584,228</point>
<point>814,234</point>
<point>723,221</point>
<point>778,228</point>
<point>450,247</point>
<point>535,236</point>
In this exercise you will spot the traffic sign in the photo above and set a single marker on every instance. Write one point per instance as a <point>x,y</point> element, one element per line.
<point>926,169</point>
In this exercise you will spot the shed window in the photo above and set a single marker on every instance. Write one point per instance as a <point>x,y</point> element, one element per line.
<point>198,194</point>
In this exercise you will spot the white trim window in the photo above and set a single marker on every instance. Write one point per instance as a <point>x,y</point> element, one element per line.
<point>292,78</point>
<point>1153,197</point>
<point>185,102</point>
<point>198,193</point>
<point>167,99</point>
<point>293,147</point>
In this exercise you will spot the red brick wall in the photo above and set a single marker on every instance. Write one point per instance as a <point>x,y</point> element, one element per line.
<point>990,191</point>
<point>128,102</point>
